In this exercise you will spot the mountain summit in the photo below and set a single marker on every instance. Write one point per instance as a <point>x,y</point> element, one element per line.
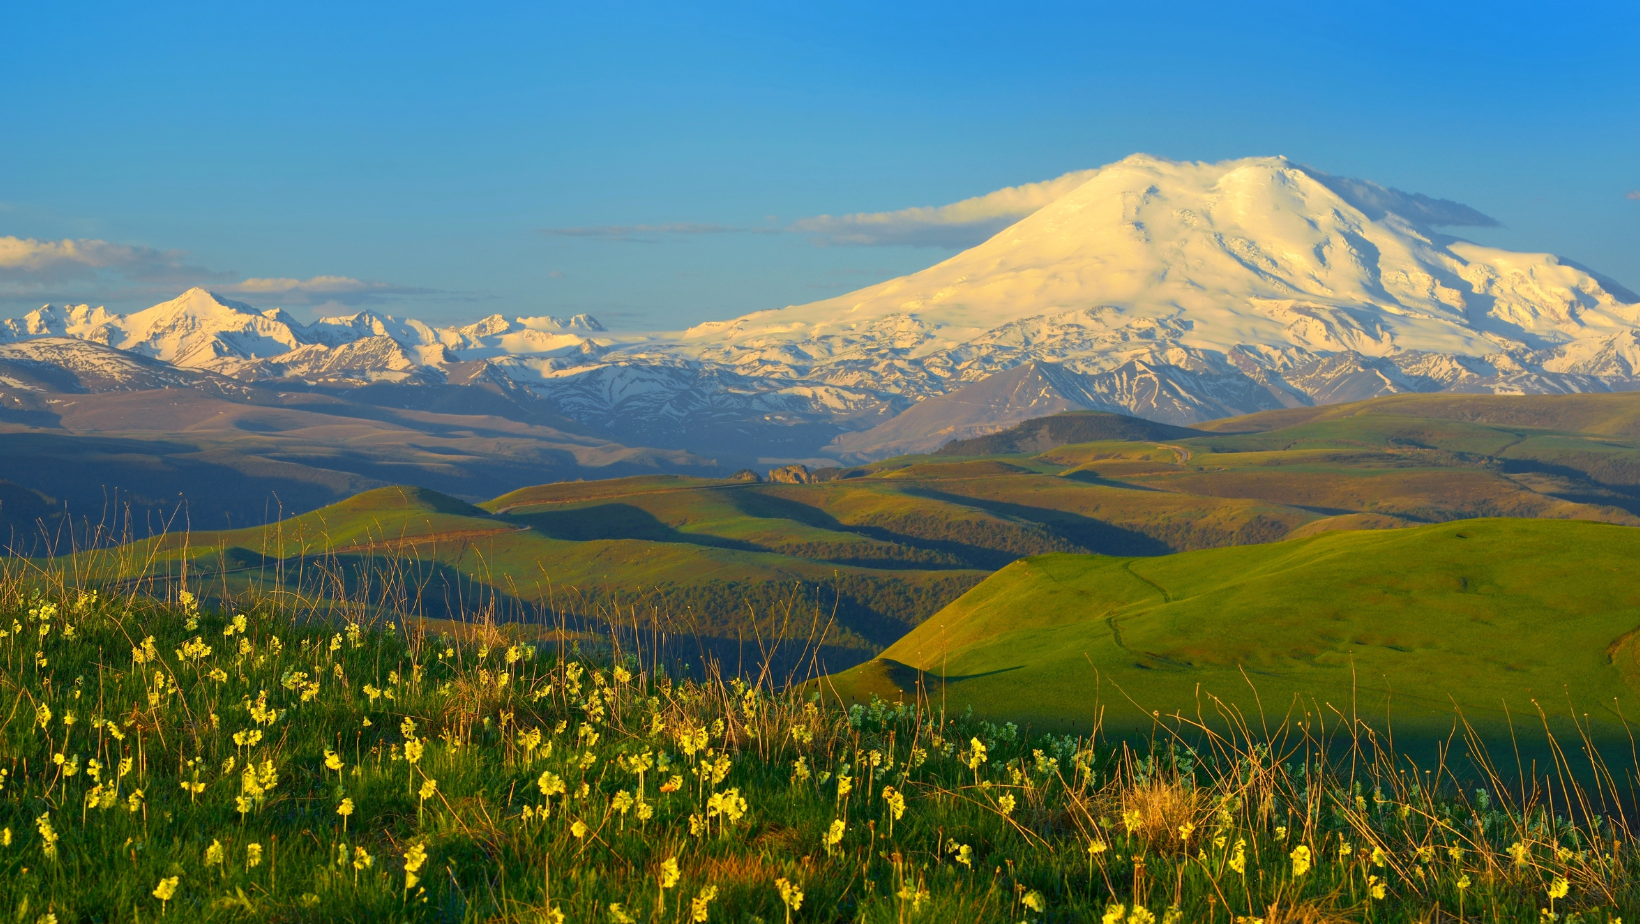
<point>1150,255</point>
<point>1174,291</point>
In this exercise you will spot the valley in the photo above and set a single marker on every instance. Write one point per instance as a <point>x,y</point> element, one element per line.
<point>820,464</point>
<point>860,559</point>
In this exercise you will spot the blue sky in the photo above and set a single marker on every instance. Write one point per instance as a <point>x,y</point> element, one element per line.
<point>413,158</point>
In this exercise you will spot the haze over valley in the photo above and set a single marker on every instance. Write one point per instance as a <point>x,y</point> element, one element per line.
<point>838,463</point>
<point>1172,291</point>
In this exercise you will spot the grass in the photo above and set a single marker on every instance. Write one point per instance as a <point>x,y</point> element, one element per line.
<point>1509,622</point>
<point>876,553</point>
<point>257,763</point>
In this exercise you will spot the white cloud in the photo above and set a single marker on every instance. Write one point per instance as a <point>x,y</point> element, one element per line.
<point>958,225</point>
<point>27,260</point>
<point>88,270</point>
<point>641,234</point>
<point>327,290</point>
<point>1634,194</point>
<point>1374,201</point>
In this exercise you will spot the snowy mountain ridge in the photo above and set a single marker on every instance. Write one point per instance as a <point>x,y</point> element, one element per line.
<point>1175,291</point>
<point>202,330</point>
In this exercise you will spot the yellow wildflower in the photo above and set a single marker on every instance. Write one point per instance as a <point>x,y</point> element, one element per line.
<point>834,835</point>
<point>896,805</point>
<point>1519,851</point>
<point>48,835</point>
<point>976,754</point>
<point>413,860</point>
<point>790,895</point>
<point>697,905</point>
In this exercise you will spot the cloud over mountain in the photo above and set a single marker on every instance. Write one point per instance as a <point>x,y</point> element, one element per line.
<point>641,234</point>
<point>958,225</point>
<point>1377,201</point>
<point>92,270</point>
<point>329,290</point>
<point>1177,291</point>
<point>28,260</point>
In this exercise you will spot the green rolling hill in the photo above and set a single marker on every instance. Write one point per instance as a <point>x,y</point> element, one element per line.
<point>1495,617</point>
<point>882,547</point>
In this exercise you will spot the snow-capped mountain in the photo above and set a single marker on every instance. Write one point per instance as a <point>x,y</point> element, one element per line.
<point>203,330</point>
<point>1175,291</point>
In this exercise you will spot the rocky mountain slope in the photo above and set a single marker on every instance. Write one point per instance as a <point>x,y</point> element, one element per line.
<point>1178,292</point>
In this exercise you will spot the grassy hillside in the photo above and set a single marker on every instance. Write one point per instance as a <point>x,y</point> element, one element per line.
<point>1496,618</point>
<point>150,460</point>
<point>1042,433</point>
<point>877,551</point>
<point>1595,414</point>
<point>257,765</point>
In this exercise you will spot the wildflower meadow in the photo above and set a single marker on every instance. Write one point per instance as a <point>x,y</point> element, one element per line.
<point>253,760</point>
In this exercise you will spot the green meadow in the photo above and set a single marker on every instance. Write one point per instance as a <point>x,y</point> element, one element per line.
<point>254,763</point>
<point>878,549</point>
<point>1498,623</point>
<point>1370,663</point>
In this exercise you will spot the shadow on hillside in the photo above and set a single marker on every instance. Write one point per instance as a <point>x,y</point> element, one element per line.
<point>748,630</point>
<point>1093,535</point>
<point>911,678</point>
<point>618,521</point>
<point>764,506</point>
<point>1088,476</point>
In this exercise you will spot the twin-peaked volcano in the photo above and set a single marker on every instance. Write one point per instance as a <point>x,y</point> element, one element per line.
<point>1187,291</point>
<point>1213,256</point>
<point>1175,291</point>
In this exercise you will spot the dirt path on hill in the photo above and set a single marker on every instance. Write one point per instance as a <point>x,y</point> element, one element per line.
<point>1180,451</point>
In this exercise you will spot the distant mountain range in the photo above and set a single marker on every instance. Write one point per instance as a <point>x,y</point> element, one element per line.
<point>1177,292</point>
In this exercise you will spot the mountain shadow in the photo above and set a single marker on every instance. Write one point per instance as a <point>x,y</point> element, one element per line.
<point>1089,534</point>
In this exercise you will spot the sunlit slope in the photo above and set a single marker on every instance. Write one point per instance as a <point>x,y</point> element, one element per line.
<point>453,554</point>
<point>1399,623</point>
<point>889,544</point>
<point>1615,414</point>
